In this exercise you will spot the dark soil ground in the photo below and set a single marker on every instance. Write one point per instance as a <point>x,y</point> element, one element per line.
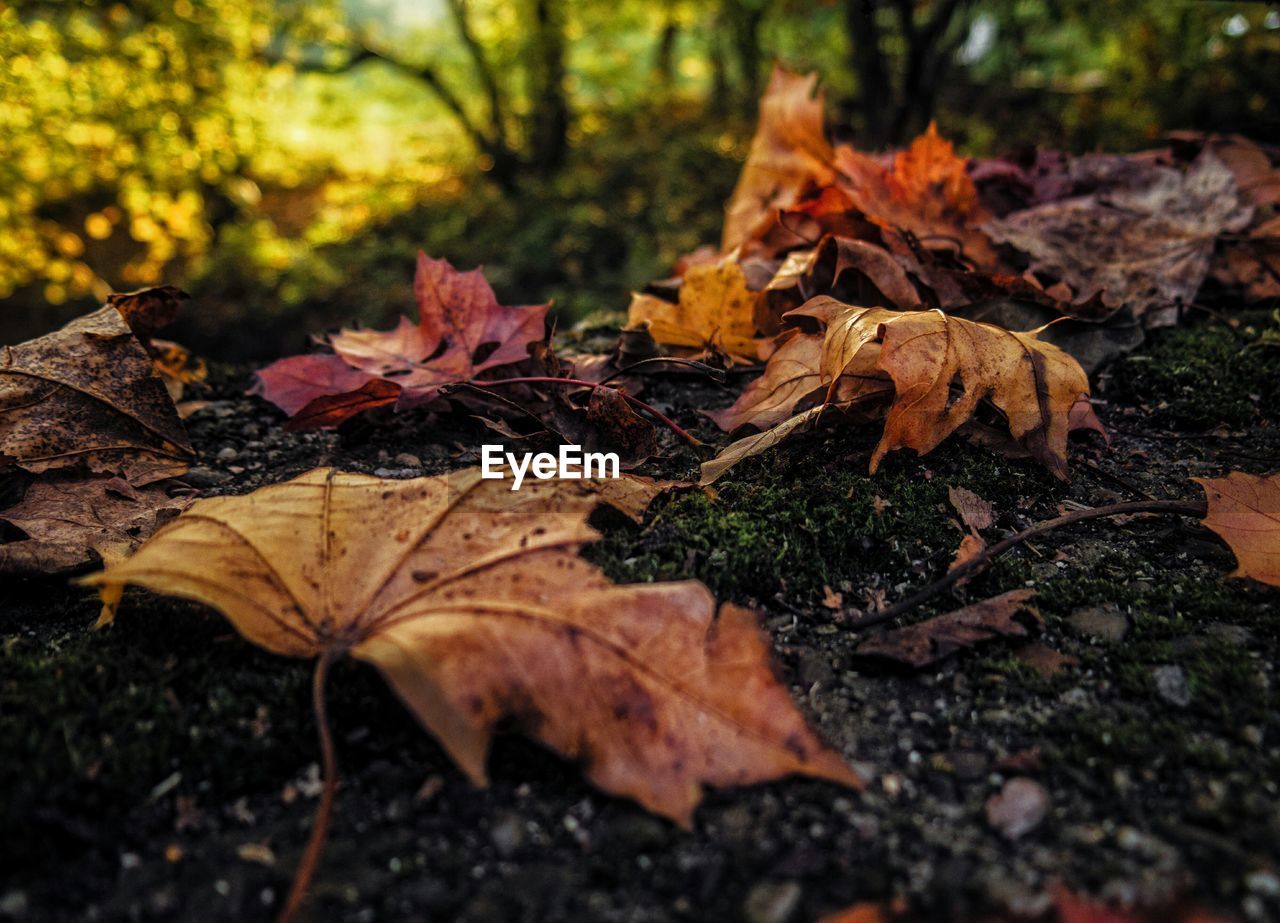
<point>166,769</point>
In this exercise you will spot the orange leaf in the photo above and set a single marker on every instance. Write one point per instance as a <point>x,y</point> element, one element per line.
<point>788,154</point>
<point>1244,509</point>
<point>715,311</point>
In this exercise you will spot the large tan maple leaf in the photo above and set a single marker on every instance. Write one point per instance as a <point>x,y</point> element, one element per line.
<point>472,601</point>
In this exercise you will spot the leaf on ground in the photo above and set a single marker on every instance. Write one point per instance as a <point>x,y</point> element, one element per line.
<point>976,514</point>
<point>926,374</point>
<point>177,367</point>
<point>87,397</point>
<point>1073,907</point>
<point>1251,264</point>
<point>926,191</point>
<point>789,153</point>
<point>790,377</point>
<point>851,271</point>
<point>1244,510</point>
<point>750,446</point>
<point>461,332</point>
<point>943,367</point>
<point>1146,245</point>
<point>472,601</point>
<point>149,310</point>
<point>715,311</point>
<point>925,643</point>
<point>73,523</point>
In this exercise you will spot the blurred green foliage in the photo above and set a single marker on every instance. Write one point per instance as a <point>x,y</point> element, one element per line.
<point>283,160</point>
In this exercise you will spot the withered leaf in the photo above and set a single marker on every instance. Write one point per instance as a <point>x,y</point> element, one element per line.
<point>851,271</point>
<point>472,601</point>
<point>750,446</point>
<point>1244,509</point>
<point>87,397</point>
<point>149,310</point>
<point>976,514</point>
<point>942,367</point>
<point>715,311</point>
<point>788,154</point>
<point>461,332</point>
<point>1147,245</point>
<point>73,523</point>
<point>927,642</point>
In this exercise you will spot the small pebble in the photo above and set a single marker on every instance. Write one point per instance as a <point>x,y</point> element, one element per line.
<point>1264,883</point>
<point>408,461</point>
<point>1018,808</point>
<point>200,476</point>
<point>1171,684</point>
<point>772,902</point>
<point>228,454</point>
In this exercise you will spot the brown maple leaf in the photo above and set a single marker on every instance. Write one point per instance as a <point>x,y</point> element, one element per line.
<point>1146,244</point>
<point>473,603</point>
<point>1244,509</point>
<point>87,397</point>
<point>789,154</point>
<point>715,311</point>
<point>73,523</point>
<point>927,373</point>
<point>942,367</point>
<point>461,332</point>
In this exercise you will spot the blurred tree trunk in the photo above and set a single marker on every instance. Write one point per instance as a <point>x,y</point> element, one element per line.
<point>740,20</point>
<point>549,119</point>
<point>894,106</point>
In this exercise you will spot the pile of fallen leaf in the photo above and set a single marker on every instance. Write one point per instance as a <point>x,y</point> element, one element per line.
<point>918,292</point>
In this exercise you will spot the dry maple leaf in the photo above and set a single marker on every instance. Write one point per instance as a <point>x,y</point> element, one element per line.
<point>461,332</point>
<point>73,523</point>
<point>1244,510</point>
<point>929,370</point>
<point>927,642</point>
<point>926,191</point>
<point>942,367</point>
<point>1147,245</point>
<point>715,311</point>
<point>473,603</point>
<point>87,396</point>
<point>789,153</point>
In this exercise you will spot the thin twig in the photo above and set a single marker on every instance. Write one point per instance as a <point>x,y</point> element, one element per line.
<point>978,562</point>
<point>715,374</point>
<point>579,383</point>
<point>320,825</point>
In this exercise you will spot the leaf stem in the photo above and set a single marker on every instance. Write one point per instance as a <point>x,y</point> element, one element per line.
<point>324,812</point>
<point>579,383</point>
<point>979,561</point>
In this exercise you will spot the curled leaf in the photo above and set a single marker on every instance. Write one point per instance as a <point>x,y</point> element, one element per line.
<point>788,153</point>
<point>87,397</point>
